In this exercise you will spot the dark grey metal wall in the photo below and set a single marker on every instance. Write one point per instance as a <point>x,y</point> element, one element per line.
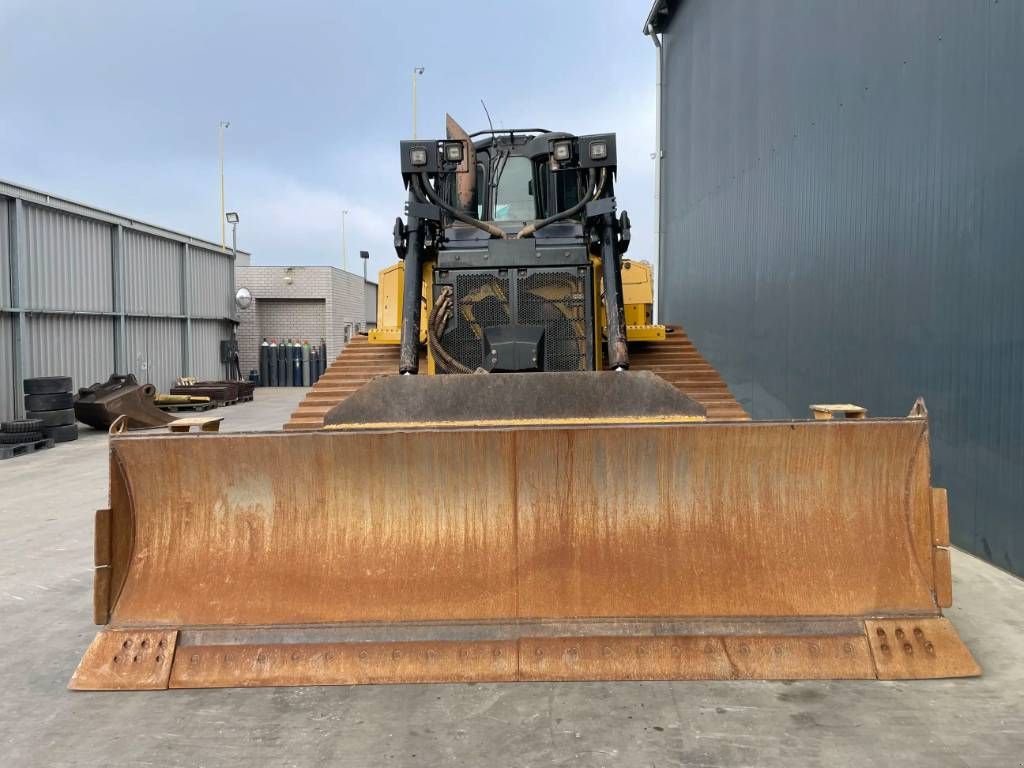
<point>843,218</point>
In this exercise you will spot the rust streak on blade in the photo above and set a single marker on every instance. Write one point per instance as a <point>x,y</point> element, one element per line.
<point>222,539</point>
<point>816,524</point>
<point>806,519</point>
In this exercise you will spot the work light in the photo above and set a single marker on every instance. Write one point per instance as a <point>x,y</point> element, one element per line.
<point>418,156</point>
<point>453,151</point>
<point>562,151</point>
<point>598,150</point>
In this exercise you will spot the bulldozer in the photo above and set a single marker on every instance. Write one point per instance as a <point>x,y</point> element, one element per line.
<point>520,476</point>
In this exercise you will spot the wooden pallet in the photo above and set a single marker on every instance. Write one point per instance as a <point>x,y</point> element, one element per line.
<point>178,407</point>
<point>236,401</point>
<point>205,424</point>
<point>10,451</point>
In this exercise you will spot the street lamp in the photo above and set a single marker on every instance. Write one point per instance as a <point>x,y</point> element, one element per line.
<point>416,72</point>
<point>223,124</point>
<point>344,242</point>
<point>232,218</point>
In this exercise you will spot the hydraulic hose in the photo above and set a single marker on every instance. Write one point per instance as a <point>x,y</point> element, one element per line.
<point>424,188</point>
<point>593,191</point>
<point>440,314</point>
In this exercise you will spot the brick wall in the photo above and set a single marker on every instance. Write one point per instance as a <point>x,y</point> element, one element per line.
<point>345,308</point>
<point>297,302</point>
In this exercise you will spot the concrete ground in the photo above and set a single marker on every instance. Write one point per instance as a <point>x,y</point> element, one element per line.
<point>46,512</point>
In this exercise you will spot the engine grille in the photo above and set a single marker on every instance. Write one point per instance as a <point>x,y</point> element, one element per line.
<point>481,301</point>
<point>558,299</point>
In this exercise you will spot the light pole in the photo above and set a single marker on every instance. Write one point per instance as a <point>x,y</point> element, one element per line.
<point>416,72</point>
<point>220,147</point>
<point>234,372</point>
<point>232,218</point>
<point>344,242</point>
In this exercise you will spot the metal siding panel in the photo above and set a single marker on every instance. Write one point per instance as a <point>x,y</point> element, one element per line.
<point>152,274</point>
<point>206,338</point>
<point>843,216</point>
<point>212,292</point>
<point>67,261</point>
<point>50,201</point>
<point>7,387</point>
<point>5,264</point>
<point>154,350</point>
<point>79,346</point>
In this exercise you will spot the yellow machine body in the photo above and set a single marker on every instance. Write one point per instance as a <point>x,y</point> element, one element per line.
<point>638,303</point>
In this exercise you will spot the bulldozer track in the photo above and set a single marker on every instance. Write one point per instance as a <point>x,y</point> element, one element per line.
<point>357,363</point>
<point>680,363</point>
<point>676,360</point>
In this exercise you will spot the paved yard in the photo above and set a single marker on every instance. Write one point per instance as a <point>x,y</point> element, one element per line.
<point>46,507</point>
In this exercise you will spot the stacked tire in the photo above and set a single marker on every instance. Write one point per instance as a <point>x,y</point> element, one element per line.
<point>50,400</point>
<point>21,431</point>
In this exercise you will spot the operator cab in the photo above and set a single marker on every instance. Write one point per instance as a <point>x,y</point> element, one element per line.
<point>511,185</point>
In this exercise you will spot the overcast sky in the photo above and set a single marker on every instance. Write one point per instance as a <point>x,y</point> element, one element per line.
<point>115,103</point>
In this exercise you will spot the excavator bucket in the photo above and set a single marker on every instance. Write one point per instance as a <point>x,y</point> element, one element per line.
<point>101,405</point>
<point>555,549</point>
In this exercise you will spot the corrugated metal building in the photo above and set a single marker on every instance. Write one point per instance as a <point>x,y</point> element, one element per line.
<point>86,293</point>
<point>842,218</point>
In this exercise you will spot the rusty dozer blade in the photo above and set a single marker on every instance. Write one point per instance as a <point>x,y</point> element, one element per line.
<point>100,405</point>
<point>686,550</point>
<point>514,399</point>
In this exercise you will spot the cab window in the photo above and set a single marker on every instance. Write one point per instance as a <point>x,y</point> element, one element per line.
<point>513,198</point>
